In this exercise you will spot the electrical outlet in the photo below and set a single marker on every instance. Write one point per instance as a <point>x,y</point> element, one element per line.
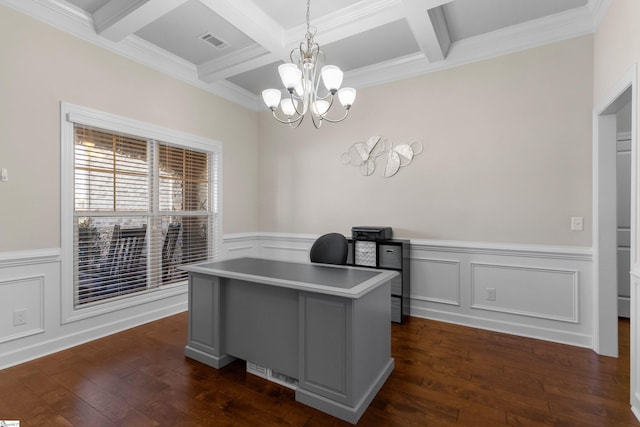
<point>20,317</point>
<point>491,294</point>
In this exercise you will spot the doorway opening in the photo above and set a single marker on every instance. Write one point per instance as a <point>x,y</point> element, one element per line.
<point>605,223</point>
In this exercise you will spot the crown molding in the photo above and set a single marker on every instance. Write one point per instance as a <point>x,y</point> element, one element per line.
<point>598,9</point>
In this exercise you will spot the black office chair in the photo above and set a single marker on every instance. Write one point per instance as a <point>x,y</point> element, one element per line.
<point>331,248</point>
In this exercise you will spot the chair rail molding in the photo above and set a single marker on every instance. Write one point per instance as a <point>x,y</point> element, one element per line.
<point>36,256</point>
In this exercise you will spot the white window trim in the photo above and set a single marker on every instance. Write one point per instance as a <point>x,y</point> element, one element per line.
<point>71,114</point>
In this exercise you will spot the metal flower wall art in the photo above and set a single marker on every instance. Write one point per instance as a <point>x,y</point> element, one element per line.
<point>365,154</point>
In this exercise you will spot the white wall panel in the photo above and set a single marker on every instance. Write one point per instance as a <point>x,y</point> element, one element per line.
<point>238,245</point>
<point>30,280</point>
<point>435,280</point>
<point>284,252</point>
<point>25,295</point>
<point>526,291</point>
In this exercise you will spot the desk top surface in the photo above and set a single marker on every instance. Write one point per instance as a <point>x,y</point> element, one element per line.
<point>338,280</point>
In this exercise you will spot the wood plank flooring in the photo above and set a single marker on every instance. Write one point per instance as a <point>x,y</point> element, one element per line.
<point>445,375</point>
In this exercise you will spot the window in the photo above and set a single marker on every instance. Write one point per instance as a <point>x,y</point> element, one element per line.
<point>138,202</point>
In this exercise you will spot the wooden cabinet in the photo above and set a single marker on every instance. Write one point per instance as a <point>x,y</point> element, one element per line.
<point>390,254</point>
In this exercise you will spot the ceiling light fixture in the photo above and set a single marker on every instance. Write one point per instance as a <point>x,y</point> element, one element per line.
<point>301,79</point>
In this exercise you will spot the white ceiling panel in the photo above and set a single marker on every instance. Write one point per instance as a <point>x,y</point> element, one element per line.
<point>469,18</point>
<point>379,44</point>
<point>179,32</point>
<point>259,79</point>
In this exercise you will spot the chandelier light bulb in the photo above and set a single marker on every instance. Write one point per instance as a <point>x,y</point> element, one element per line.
<point>271,97</point>
<point>347,96</point>
<point>290,75</point>
<point>320,107</point>
<point>332,77</point>
<point>288,107</point>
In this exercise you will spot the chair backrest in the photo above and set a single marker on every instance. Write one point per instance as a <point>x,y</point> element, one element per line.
<point>125,250</point>
<point>168,249</point>
<point>330,248</point>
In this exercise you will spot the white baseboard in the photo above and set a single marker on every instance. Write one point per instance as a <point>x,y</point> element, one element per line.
<point>512,328</point>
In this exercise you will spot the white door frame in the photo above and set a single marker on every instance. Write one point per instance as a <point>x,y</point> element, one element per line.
<point>605,310</point>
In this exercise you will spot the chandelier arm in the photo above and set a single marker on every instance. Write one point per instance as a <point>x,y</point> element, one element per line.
<point>330,103</point>
<point>329,94</point>
<point>317,121</point>
<point>295,98</point>
<point>288,121</point>
<point>296,124</point>
<point>346,113</point>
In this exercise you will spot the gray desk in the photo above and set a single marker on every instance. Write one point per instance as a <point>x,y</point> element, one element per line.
<point>328,327</point>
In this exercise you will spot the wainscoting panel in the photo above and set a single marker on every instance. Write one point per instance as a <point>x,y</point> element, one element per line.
<point>21,307</point>
<point>239,245</point>
<point>290,253</point>
<point>526,291</point>
<point>288,247</point>
<point>31,320</point>
<point>435,280</point>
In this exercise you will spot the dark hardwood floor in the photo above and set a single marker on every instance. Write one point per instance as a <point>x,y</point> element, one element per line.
<point>445,375</point>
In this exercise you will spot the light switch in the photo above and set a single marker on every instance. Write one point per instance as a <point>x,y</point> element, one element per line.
<point>4,175</point>
<point>577,223</point>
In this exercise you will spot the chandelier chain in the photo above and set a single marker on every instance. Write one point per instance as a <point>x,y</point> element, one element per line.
<point>308,14</point>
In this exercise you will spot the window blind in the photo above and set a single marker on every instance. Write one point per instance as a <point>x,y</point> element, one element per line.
<point>141,209</point>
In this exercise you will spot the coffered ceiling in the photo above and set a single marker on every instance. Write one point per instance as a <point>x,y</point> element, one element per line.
<point>233,47</point>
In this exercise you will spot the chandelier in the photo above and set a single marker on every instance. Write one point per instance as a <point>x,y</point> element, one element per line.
<point>301,79</point>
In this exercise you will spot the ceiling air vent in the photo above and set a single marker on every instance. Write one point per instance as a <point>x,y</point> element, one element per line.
<point>214,41</point>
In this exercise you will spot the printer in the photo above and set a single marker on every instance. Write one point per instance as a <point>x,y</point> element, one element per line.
<point>373,233</point>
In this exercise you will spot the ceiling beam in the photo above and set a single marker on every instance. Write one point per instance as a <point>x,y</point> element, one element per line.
<point>118,19</point>
<point>349,21</point>
<point>429,26</point>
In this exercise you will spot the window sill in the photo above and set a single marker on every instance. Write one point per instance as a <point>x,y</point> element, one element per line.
<point>128,301</point>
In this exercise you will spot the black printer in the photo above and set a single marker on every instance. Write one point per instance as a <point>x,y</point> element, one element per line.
<point>364,232</point>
